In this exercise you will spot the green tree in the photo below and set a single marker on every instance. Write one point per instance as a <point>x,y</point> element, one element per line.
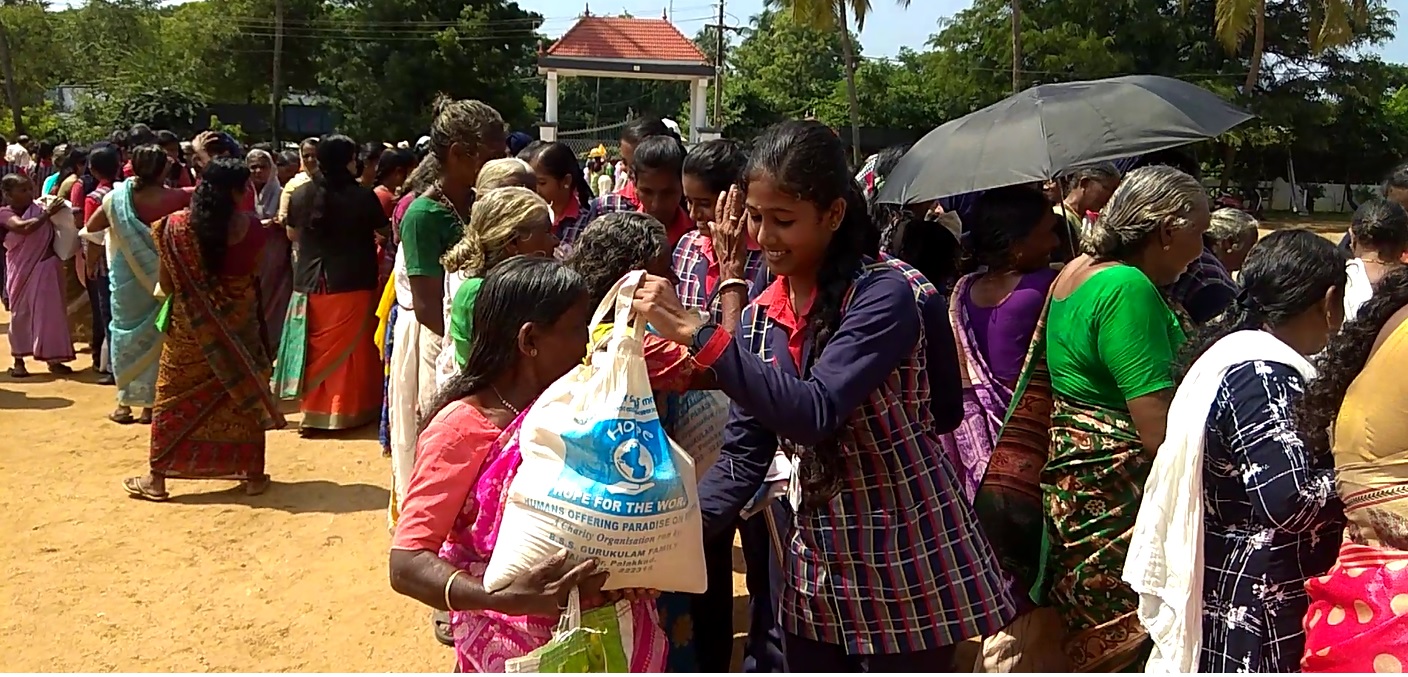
<point>231,45</point>
<point>781,69</point>
<point>29,57</point>
<point>1333,23</point>
<point>834,15</point>
<point>383,79</point>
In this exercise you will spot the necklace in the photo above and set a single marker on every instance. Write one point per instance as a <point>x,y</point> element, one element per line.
<point>447,203</point>
<point>504,402</point>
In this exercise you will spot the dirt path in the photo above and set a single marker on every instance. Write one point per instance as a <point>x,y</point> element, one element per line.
<point>293,580</point>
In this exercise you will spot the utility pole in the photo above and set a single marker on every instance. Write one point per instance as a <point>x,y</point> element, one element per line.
<point>276,89</point>
<point>1016,45</point>
<point>719,47</point>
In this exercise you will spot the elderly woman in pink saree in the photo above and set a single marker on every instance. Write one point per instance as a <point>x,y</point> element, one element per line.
<point>530,328</point>
<point>33,280</point>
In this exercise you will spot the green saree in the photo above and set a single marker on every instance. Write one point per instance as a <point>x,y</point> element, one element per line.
<point>1058,504</point>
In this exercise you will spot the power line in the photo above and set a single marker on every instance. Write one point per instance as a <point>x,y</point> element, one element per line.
<point>363,32</point>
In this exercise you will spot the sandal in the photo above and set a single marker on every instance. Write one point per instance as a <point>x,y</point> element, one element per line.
<point>146,418</point>
<point>122,417</point>
<point>18,372</point>
<point>256,485</point>
<point>60,368</point>
<point>137,487</point>
<point>443,632</point>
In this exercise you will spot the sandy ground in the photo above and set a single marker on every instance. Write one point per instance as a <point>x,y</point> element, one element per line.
<point>293,580</point>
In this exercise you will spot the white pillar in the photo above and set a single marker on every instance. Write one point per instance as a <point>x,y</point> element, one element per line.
<point>704,121</point>
<point>548,132</point>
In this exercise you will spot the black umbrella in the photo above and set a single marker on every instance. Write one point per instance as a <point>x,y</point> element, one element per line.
<point>1033,135</point>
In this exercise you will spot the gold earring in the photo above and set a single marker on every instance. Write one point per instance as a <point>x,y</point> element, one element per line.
<point>533,352</point>
<point>1165,247</point>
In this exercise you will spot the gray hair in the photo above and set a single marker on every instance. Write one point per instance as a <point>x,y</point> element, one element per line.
<point>1229,225</point>
<point>613,245</point>
<point>1100,171</point>
<point>1148,198</point>
<point>499,218</point>
<point>505,172</point>
<point>262,155</point>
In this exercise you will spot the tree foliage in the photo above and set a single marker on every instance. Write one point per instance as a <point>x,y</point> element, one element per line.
<point>1322,101</point>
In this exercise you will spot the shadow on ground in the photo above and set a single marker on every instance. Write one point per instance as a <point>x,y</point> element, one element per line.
<point>10,399</point>
<point>311,496</point>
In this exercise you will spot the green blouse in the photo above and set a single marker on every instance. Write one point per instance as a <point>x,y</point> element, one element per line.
<point>462,318</point>
<point>1112,340</point>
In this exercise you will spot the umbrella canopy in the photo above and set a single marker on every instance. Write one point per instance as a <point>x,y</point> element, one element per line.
<point>1033,135</point>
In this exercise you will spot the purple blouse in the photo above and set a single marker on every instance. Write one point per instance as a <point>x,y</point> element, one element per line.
<point>1004,332</point>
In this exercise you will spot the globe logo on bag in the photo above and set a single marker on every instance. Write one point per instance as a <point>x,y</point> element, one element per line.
<point>633,461</point>
<point>620,467</point>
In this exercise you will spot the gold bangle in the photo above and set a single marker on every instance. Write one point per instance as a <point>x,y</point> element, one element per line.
<point>448,583</point>
<point>733,282</point>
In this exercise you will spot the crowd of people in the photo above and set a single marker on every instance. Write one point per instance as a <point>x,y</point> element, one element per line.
<point>1092,423</point>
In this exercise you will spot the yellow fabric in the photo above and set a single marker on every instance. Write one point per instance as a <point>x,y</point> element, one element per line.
<point>293,184</point>
<point>599,335</point>
<point>1371,441</point>
<point>383,316</point>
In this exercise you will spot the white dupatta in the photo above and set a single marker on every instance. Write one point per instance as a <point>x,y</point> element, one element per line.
<point>1165,560</point>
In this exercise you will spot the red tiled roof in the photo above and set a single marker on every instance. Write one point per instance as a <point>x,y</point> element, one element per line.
<point>602,37</point>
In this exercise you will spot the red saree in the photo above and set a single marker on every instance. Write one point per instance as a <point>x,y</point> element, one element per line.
<point>342,376</point>
<point>1358,615</point>
<point>212,395</point>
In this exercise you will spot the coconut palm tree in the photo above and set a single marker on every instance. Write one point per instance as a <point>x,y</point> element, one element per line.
<point>835,15</point>
<point>1332,24</point>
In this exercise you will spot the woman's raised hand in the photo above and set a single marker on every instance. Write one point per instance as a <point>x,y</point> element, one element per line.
<point>656,301</point>
<point>729,234</point>
<point>198,146</point>
<point>543,590</point>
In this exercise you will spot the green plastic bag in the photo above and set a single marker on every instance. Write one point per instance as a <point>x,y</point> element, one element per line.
<point>595,641</point>
<point>163,316</point>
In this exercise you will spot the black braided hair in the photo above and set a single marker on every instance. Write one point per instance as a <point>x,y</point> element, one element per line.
<point>335,153</point>
<point>1285,274</point>
<point>805,158</point>
<point>213,209</point>
<point>1340,363</point>
<point>148,166</point>
<point>1380,226</point>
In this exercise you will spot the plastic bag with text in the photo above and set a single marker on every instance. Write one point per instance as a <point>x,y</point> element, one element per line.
<point>592,641</point>
<point>599,475</point>
<point>695,420</point>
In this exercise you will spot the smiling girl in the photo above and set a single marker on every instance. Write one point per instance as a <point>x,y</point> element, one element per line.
<point>886,569</point>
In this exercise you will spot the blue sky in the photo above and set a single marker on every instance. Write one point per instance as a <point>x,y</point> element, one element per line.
<point>886,31</point>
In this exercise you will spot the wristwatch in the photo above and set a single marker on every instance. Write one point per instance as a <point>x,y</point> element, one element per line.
<point>701,337</point>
